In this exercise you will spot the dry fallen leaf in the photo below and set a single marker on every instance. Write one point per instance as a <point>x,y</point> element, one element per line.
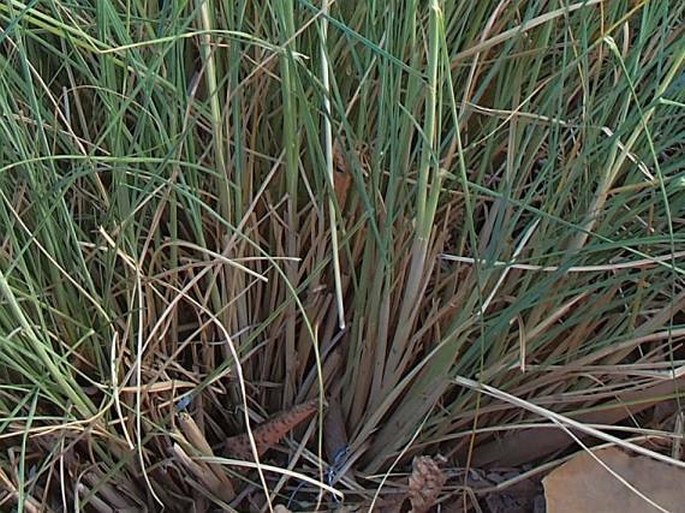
<point>583,484</point>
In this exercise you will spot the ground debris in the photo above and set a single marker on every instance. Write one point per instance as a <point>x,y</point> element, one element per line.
<point>611,481</point>
<point>425,484</point>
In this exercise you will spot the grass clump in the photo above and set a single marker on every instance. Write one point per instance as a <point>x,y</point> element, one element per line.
<point>212,212</point>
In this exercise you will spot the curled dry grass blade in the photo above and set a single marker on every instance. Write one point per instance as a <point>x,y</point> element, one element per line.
<point>505,210</point>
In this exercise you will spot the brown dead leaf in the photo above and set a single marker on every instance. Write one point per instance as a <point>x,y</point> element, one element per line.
<point>583,484</point>
<point>271,432</point>
<point>425,484</point>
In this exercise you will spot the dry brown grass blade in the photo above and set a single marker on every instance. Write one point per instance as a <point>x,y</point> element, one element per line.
<point>530,444</point>
<point>203,474</point>
<point>271,432</point>
<point>342,178</point>
<point>106,493</point>
<point>425,484</point>
<point>31,505</point>
<point>94,502</point>
<point>199,442</point>
<point>334,430</point>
